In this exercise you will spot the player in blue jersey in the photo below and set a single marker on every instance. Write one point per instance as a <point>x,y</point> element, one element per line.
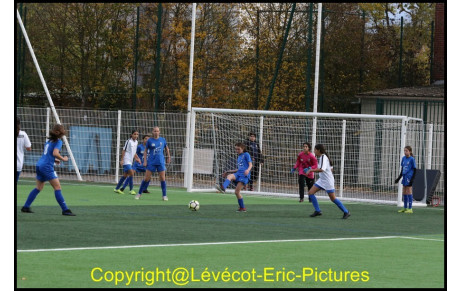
<point>154,161</point>
<point>240,176</point>
<point>45,170</point>
<point>127,156</point>
<point>408,169</point>
<point>139,166</point>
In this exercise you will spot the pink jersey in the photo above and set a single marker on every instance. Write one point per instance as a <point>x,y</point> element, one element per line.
<point>305,161</point>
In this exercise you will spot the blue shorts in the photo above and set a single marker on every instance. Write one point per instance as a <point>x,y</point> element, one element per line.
<point>45,174</point>
<point>156,168</point>
<point>139,168</point>
<point>241,178</point>
<point>126,168</point>
<point>327,191</point>
<point>406,180</point>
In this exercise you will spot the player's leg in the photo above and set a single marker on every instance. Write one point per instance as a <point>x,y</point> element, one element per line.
<point>309,183</point>
<point>162,177</point>
<point>120,182</point>
<point>59,198</point>
<point>337,202</point>
<point>32,195</point>
<point>144,184</point>
<point>301,187</point>
<point>238,195</point>
<point>314,201</point>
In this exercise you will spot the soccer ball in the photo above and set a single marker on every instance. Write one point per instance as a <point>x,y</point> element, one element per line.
<point>194,205</point>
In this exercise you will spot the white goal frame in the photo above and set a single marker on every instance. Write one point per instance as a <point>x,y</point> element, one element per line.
<point>339,163</point>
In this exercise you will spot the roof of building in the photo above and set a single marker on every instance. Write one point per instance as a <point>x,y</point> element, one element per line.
<point>407,93</point>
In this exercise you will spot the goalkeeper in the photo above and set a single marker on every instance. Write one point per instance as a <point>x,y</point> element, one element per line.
<point>408,169</point>
<point>305,161</point>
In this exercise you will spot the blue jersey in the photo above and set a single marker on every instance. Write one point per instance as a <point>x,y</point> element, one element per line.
<point>243,163</point>
<point>140,152</point>
<point>155,149</point>
<point>47,159</point>
<point>408,165</point>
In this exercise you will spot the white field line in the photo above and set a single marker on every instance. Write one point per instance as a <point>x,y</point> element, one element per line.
<point>220,243</point>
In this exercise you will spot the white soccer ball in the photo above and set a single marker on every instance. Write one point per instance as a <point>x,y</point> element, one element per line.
<point>194,205</point>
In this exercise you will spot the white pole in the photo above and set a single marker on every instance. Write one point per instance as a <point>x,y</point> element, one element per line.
<point>47,131</point>
<point>315,95</point>
<point>26,37</point>
<point>342,155</point>
<point>190,86</point>
<point>117,164</point>
<point>191,152</point>
<point>261,133</point>
<point>430,146</point>
<point>401,154</point>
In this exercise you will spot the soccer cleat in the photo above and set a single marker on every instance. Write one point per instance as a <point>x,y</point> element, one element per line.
<point>68,213</point>
<point>132,192</point>
<point>316,213</point>
<point>220,188</point>
<point>300,200</point>
<point>145,191</point>
<point>118,191</point>
<point>165,198</point>
<point>122,189</point>
<point>346,215</point>
<point>26,210</point>
<point>241,210</point>
<point>402,210</point>
<point>137,196</point>
<point>409,211</point>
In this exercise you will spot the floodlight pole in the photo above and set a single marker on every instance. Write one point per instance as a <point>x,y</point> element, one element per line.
<point>315,95</point>
<point>26,37</point>
<point>189,103</point>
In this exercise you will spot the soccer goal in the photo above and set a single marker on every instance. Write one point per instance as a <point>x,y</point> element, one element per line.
<point>365,150</point>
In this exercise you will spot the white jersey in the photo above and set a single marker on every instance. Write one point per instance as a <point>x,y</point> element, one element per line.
<point>326,178</point>
<point>23,142</point>
<point>130,150</point>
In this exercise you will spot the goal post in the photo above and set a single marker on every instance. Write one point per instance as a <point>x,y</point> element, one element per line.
<point>56,116</point>
<point>366,150</point>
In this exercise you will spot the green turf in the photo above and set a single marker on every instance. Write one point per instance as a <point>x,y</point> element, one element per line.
<point>105,218</point>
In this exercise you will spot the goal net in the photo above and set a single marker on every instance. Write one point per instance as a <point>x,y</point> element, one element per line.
<point>365,150</point>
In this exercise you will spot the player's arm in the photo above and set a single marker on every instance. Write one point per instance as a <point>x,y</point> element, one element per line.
<point>136,157</point>
<point>248,169</point>
<point>399,177</point>
<point>413,177</point>
<point>168,155</point>
<point>27,143</point>
<point>58,156</point>
<point>122,156</point>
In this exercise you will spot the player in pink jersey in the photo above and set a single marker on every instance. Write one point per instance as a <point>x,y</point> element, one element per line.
<point>305,161</point>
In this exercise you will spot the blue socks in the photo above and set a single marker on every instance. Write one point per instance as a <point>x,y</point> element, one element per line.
<point>60,199</point>
<point>340,205</point>
<point>406,200</point>
<point>122,179</point>
<point>409,198</point>
<point>314,201</point>
<point>57,194</point>
<point>31,197</point>
<point>240,202</point>
<point>163,187</point>
<point>226,183</point>
<point>143,186</point>
<point>128,181</point>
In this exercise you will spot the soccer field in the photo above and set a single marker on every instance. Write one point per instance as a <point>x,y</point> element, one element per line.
<point>116,241</point>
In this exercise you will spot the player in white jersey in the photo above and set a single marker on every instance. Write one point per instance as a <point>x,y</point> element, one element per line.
<point>22,142</point>
<point>325,182</point>
<point>127,156</point>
